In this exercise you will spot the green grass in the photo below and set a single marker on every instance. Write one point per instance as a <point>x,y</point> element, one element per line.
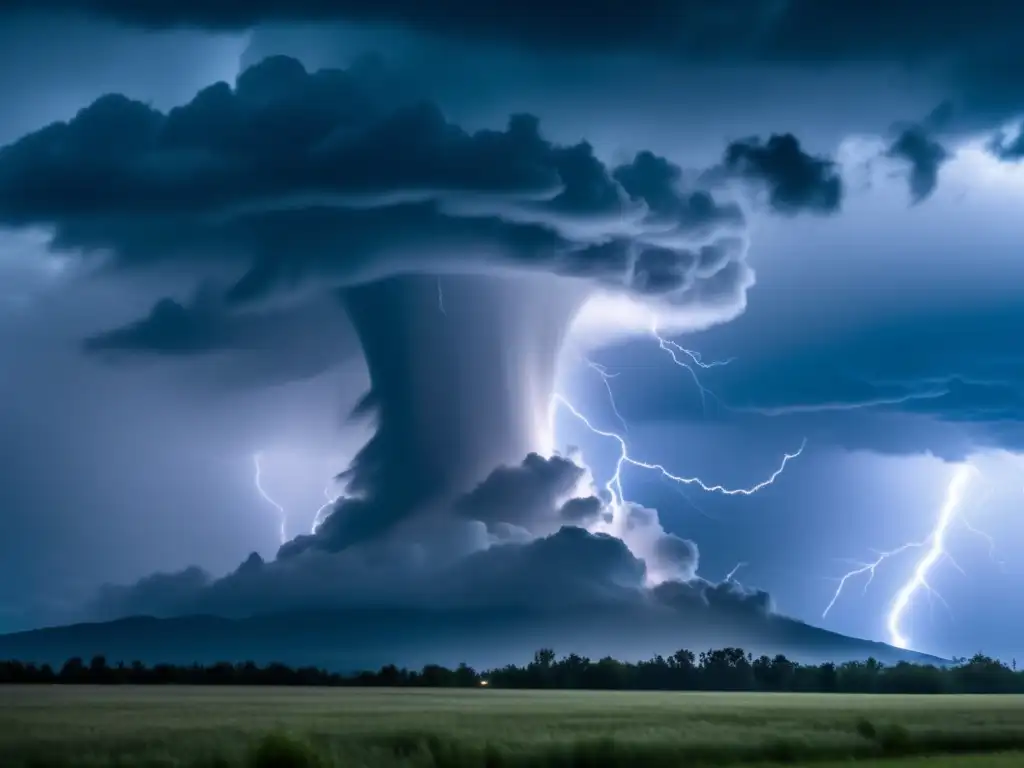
<point>295,728</point>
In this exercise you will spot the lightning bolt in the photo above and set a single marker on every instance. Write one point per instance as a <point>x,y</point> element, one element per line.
<point>869,569</point>
<point>732,574</point>
<point>318,519</point>
<point>919,580</point>
<point>614,484</point>
<point>440,298</point>
<point>935,550</point>
<point>606,378</point>
<point>964,520</point>
<point>282,530</point>
<point>999,563</point>
<point>674,350</point>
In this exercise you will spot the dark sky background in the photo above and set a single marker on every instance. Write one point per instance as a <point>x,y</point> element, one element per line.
<point>173,302</point>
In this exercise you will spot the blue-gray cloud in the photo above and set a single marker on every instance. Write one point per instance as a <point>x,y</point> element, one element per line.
<point>292,173</point>
<point>794,180</point>
<point>956,367</point>
<point>801,30</point>
<point>924,154</point>
<point>1009,148</point>
<point>480,552</point>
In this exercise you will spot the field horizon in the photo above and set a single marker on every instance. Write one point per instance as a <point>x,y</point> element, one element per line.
<point>98,726</point>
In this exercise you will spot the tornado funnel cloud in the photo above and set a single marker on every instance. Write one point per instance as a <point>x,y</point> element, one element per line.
<point>457,392</point>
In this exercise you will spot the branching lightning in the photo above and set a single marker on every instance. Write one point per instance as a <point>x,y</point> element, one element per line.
<point>613,486</point>
<point>318,518</point>
<point>614,489</point>
<point>674,350</point>
<point>954,497</point>
<point>997,561</point>
<point>869,569</point>
<point>935,551</point>
<point>283,515</point>
<point>606,378</point>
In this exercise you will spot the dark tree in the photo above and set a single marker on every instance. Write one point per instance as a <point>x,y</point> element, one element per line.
<point>724,669</point>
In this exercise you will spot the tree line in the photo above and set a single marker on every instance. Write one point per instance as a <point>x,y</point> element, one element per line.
<point>726,669</point>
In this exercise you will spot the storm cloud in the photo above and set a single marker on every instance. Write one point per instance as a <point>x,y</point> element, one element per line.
<point>794,180</point>
<point>800,30</point>
<point>526,185</point>
<point>461,259</point>
<point>482,552</point>
<point>300,173</point>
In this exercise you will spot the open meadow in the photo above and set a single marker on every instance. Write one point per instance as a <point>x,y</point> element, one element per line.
<point>228,726</point>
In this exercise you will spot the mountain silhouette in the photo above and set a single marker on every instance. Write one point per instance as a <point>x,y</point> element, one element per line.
<point>369,638</point>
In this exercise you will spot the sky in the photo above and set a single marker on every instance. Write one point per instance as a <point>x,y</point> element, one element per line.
<point>318,237</point>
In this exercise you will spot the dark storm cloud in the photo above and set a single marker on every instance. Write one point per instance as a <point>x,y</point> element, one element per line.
<point>580,591</point>
<point>170,328</point>
<point>512,502</point>
<point>256,347</point>
<point>970,51</point>
<point>566,568</point>
<point>297,172</point>
<point>794,180</point>
<point>955,367</point>
<point>509,494</point>
<point>310,181</point>
<point>503,549</point>
<point>657,182</point>
<point>726,594</point>
<point>924,154</point>
<point>802,30</point>
<point>1009,148</point>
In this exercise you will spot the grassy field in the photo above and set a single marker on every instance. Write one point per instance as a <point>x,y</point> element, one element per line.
<point>264,728</point>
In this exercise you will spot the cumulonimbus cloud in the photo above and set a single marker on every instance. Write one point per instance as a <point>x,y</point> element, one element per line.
<point>319,180</point>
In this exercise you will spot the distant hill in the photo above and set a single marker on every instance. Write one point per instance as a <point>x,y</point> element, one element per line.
<point>370,638</point>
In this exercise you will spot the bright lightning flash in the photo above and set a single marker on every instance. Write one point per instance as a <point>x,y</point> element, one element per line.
<point>282,528</point>
<point>606,378</point>
<point>731,575</point>
<point>935,546</point>
<point>674,350</point>
<point>954,498</point>
<point>614,485</point>
<point>318,518</point>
